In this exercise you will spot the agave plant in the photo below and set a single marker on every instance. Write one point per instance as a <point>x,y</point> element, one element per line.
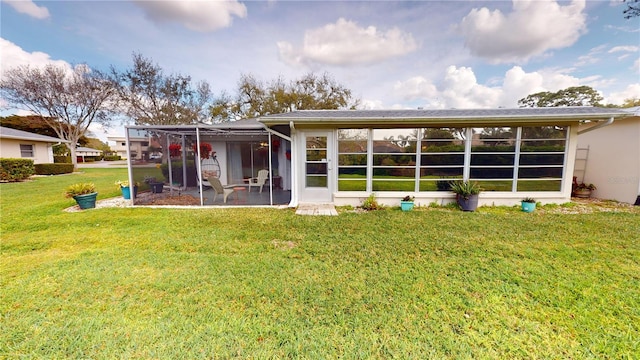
<point>465,189</point>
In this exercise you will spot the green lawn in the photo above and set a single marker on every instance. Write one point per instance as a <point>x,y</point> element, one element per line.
<point>265,283</point>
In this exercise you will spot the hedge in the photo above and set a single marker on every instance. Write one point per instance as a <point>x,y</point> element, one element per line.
<point>15,169</point>
<point>112,157</point>
<point>53,169</point>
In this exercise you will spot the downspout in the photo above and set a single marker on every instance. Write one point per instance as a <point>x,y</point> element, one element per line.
<point>131,183</point>
<point>598,126</point>
<point>294,170</point>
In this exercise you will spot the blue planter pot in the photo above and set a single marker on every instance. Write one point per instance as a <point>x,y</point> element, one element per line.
<point>406,205</point>
<point>86,201</point>
<point>528,207</point>
<point>126,192</point>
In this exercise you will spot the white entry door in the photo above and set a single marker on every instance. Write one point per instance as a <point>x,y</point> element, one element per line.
<point>317,181</point>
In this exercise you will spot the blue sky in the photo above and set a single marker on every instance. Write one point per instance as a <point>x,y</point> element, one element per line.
<point>400,54</point>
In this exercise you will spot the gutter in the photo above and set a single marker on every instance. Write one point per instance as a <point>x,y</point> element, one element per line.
<point>598,126</point>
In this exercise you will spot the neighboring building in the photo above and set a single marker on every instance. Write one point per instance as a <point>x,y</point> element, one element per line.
<point>139,145</point>
<point>22,144</point>
<point>343,156</point>
<point>82,153</point>
<point>609,157</point>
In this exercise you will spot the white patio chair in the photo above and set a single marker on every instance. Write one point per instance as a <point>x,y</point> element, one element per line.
<point>218,188</point>
<point>259,181</point>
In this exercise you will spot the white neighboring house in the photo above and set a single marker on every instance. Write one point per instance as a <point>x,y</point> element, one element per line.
<point>82,152</point>
<point>609,158</point>
<point>139,146</point>
<point>22,144</point>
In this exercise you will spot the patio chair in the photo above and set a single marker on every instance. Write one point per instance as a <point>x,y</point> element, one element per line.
<point>217,187</point>
<point>259,181</point>
<point>209,168</point>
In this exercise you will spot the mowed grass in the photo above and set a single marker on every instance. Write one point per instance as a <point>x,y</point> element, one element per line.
<point>266,283</point>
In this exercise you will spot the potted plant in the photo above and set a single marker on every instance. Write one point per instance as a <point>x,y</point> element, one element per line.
<point>406,204</point>
<point>126,189</point>
<point>528,204</point>
<point>583,190</point>
<point>155,185</point>
<point>466,194</point>
<point>84,194</point>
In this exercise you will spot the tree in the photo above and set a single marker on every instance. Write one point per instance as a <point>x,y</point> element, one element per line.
<point>152,98</point>
<point>632,10</point>
<point>68,101</point>
<point>255,98</point>
<point>572,96</point>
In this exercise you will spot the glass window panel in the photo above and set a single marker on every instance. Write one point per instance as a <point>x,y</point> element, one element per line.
<point>316,181</point>
<point>394,140</point>
<point>544,185</point>
<point>501,185</point>
<point>352,146</point>
<point>491,173</point>
<point>393,185</point>
<point>317,168</point>
<point>394,172</point>
<point>544,132</point>
<point>493,146</point>
<point>541,159</point>
<point>497,134</point>
<point>344,173</point>
<point>352,185</point>
<point>316,155</point>
<point>435,185</point>
<point>447,135</point>
<point>316,142</point>
<point>455,172</point>
<point>540,172</point>
<point>434,147</point>
<point>354,159</point>
<point>352,134</point>
<point>394,160</point>
<point>492,159</point>
<point>543,146</point>
<point>442,160</point>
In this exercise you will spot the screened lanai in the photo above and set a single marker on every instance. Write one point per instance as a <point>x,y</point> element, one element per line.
<point>175,164</point>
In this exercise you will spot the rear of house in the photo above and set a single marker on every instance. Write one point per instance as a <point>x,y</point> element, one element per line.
<point>341,157</point>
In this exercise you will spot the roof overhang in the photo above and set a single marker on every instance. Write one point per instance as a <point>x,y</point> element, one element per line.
<point>444,118</point>
<point>240,127</point>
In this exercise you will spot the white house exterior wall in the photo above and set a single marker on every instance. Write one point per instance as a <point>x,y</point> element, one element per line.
<point>42,152</point>
<point>613,163</point>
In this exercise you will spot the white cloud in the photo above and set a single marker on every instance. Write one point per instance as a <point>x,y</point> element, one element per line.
<point>459,88</point>
<point>630,92</point>
<point>196,15</point>
<point>531,29</point>
<point>624,49</point>
<point>636,66</point>
<point>346,43</point>
<point>29,8</point>
<point>11,55</point>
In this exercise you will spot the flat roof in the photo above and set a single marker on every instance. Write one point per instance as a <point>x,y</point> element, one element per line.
<point>467,117</point>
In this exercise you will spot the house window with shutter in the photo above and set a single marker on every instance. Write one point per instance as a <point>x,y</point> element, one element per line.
<point>26,151</point>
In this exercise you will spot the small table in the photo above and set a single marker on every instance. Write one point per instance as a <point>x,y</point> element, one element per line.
<point>238,190</point>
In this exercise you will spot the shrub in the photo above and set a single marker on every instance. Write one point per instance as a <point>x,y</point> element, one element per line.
<point>80,189</point>
<point>15,169</point>
<point>371,203</point>
<point>53,169</point>
<point>61,159</point>
<point>112,158</point>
